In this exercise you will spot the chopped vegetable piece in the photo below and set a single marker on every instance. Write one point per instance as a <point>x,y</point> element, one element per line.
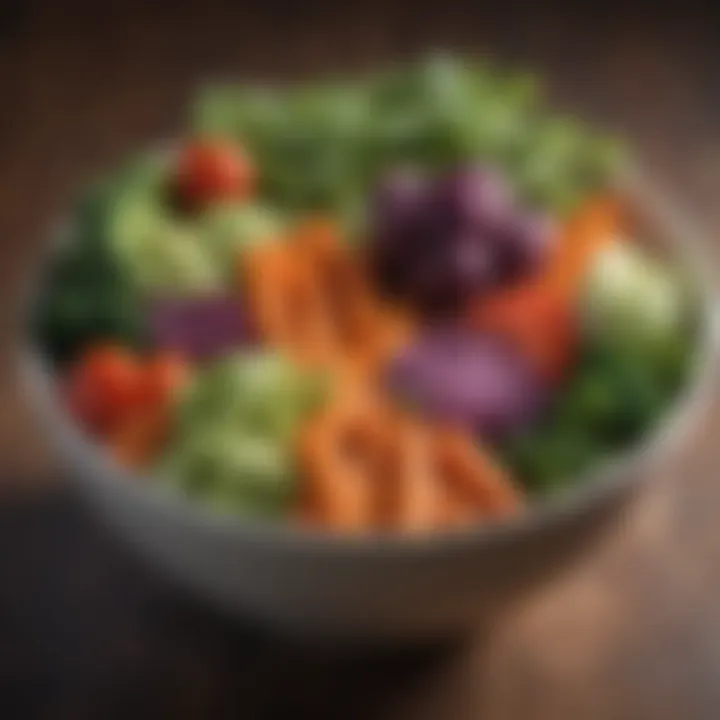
<point>172,257</point>
<point>104,386</point>
<point>213,170</point>
<point>614,396</point>
<point>462,378</point>
<point>324,145</point>
<point>368,467</point>
<point>475,474</point>
<point>537,320</point>
<point>164,377</point>
<point>200,327</point>
<point>553,456</point>
<point>233,439</point>
<point>310,298</point>
<point>593,226</point>
<point>439,242</point>
<point>127,400</point>
<point>228,229</point>
<point>89,297</point>
<point>633,299</point>
<point>539,315</point>
<point>138,438</point>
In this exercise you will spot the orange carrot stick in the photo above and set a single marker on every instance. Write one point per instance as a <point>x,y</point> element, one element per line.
<point>595,224</point>
<point>339,491</point>
<point>413,491</point>
<point>453,509</point>
<point>475,475</point>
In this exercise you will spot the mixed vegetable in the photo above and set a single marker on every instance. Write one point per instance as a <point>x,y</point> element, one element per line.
<point>400,303</point>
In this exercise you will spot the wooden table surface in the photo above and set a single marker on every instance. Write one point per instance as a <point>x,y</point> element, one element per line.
<point>86,631</point>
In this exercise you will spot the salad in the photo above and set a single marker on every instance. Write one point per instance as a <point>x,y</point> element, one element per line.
<point>401,303</point>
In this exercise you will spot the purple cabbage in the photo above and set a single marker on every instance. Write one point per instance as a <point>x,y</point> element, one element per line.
<point>436,242</point>
<point>472,380</point>
<point>200,327</point>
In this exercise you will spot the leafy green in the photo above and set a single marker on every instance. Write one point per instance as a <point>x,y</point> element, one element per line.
<point>614,398</point>
<point>639,341</point>
<point>551,456</point>
<point>322,145</point>
<point>88,296</point>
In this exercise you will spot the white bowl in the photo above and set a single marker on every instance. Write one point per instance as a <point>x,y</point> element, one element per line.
<point>382,588</point>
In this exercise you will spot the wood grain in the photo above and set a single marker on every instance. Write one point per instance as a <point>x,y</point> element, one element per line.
<point>88,632</point>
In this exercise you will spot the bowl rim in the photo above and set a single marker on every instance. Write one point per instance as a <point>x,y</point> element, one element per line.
<point>619,471</point>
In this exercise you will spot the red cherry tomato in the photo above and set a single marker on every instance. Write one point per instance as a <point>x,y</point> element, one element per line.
<point>164,376</point>
<point>210,170</point>
<point>104,386</point>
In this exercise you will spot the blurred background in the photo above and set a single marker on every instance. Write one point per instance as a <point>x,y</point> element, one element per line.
<point>88,632</point>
